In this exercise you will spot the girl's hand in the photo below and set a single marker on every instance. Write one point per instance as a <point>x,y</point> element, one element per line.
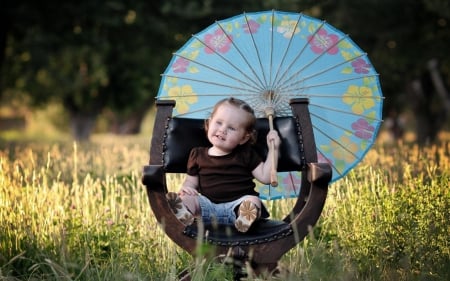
<point>189,186</point>
<point>187,190</point>
<point>273,136</point>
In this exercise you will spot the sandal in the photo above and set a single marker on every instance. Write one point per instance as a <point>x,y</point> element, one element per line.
<point>248,213</point>
<point>178,208</point>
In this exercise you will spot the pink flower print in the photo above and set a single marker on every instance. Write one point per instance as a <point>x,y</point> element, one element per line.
<point>217,42</point>
<point>180,65</point>
<point>251,26</point>
<point>362,129</point>
<point>322,41</point>
<point>361,66</point>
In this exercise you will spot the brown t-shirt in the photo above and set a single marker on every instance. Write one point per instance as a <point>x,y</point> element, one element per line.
<point>224,178</point>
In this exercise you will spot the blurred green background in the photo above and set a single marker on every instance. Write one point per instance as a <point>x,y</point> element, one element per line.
<point>75,68</point>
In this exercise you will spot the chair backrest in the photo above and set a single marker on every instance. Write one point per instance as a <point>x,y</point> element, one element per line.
<point>182,134</point>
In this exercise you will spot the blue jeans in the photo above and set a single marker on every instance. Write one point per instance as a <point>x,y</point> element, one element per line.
<point>220,213</point>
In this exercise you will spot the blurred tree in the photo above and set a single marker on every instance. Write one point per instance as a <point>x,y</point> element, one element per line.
<point>88,55</point>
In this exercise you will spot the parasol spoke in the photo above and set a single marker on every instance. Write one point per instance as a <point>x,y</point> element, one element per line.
<point>327,96</point>
<point>250,85</point>
<point>344,147</point>
<point>207,110</point>
<point>261,84</point>
<point>294,61</point>
<point>249,98</point>
<point>332,124</point>
<point>333,66</point>
<point>326,83</point>
<point>271,51</point>
<point>305,66</point>
<point>209,82</point>
<point>222,95</point>
<point>288,47</point>
<point>258,55</point>
<point>347,112</point>
<point>230,62</point>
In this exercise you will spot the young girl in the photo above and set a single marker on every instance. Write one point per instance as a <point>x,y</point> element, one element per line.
<point>219,184</point>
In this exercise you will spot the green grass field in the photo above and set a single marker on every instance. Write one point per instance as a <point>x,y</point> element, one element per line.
<point>79,212</point>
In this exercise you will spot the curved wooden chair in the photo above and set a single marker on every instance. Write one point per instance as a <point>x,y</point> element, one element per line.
<point>267,240</point>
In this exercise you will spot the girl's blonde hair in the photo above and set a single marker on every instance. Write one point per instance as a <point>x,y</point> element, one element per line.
<point>250,122</point>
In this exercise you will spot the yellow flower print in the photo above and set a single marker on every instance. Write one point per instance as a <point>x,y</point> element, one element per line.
<point>359,98</point>
<point>184,95</point>
<point>288,28</point>
<point>344,149</point>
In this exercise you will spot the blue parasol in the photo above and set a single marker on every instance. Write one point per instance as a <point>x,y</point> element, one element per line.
<point>288,55</point>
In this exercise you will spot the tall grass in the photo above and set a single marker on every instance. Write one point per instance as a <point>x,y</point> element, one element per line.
<point>388,219</point>
<point>79,212</point>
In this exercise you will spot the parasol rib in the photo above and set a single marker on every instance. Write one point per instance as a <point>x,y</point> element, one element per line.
<point>282,77</point>
<point>318,96</point>
<point>258,55</point>
<point>296,74</point>
<point>288,87</point>
<point>333,67</point>
<point>208,82</point>
<point>271,48</point>
<point>203,95</point>
<point>248,97</point>
<point>228,61</point>
<point>286,50</point>
<point>346,130</point>
<point>204,109</point>
<point>218,71</point>
<point>346,112</point>
<point>242,56</point>
<point>336,142</point>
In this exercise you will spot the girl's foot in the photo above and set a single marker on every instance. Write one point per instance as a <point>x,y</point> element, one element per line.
<point>178,208</point>
<point>247,214</point>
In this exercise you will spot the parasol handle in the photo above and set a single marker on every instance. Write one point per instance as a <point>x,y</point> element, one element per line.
<point>273,172</point>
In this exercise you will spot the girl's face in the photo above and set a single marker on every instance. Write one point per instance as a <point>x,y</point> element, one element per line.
<point>226,128</point>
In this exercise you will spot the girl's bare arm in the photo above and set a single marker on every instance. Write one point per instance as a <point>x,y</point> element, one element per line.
<point>263,170</point>
<point>189,186</point>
